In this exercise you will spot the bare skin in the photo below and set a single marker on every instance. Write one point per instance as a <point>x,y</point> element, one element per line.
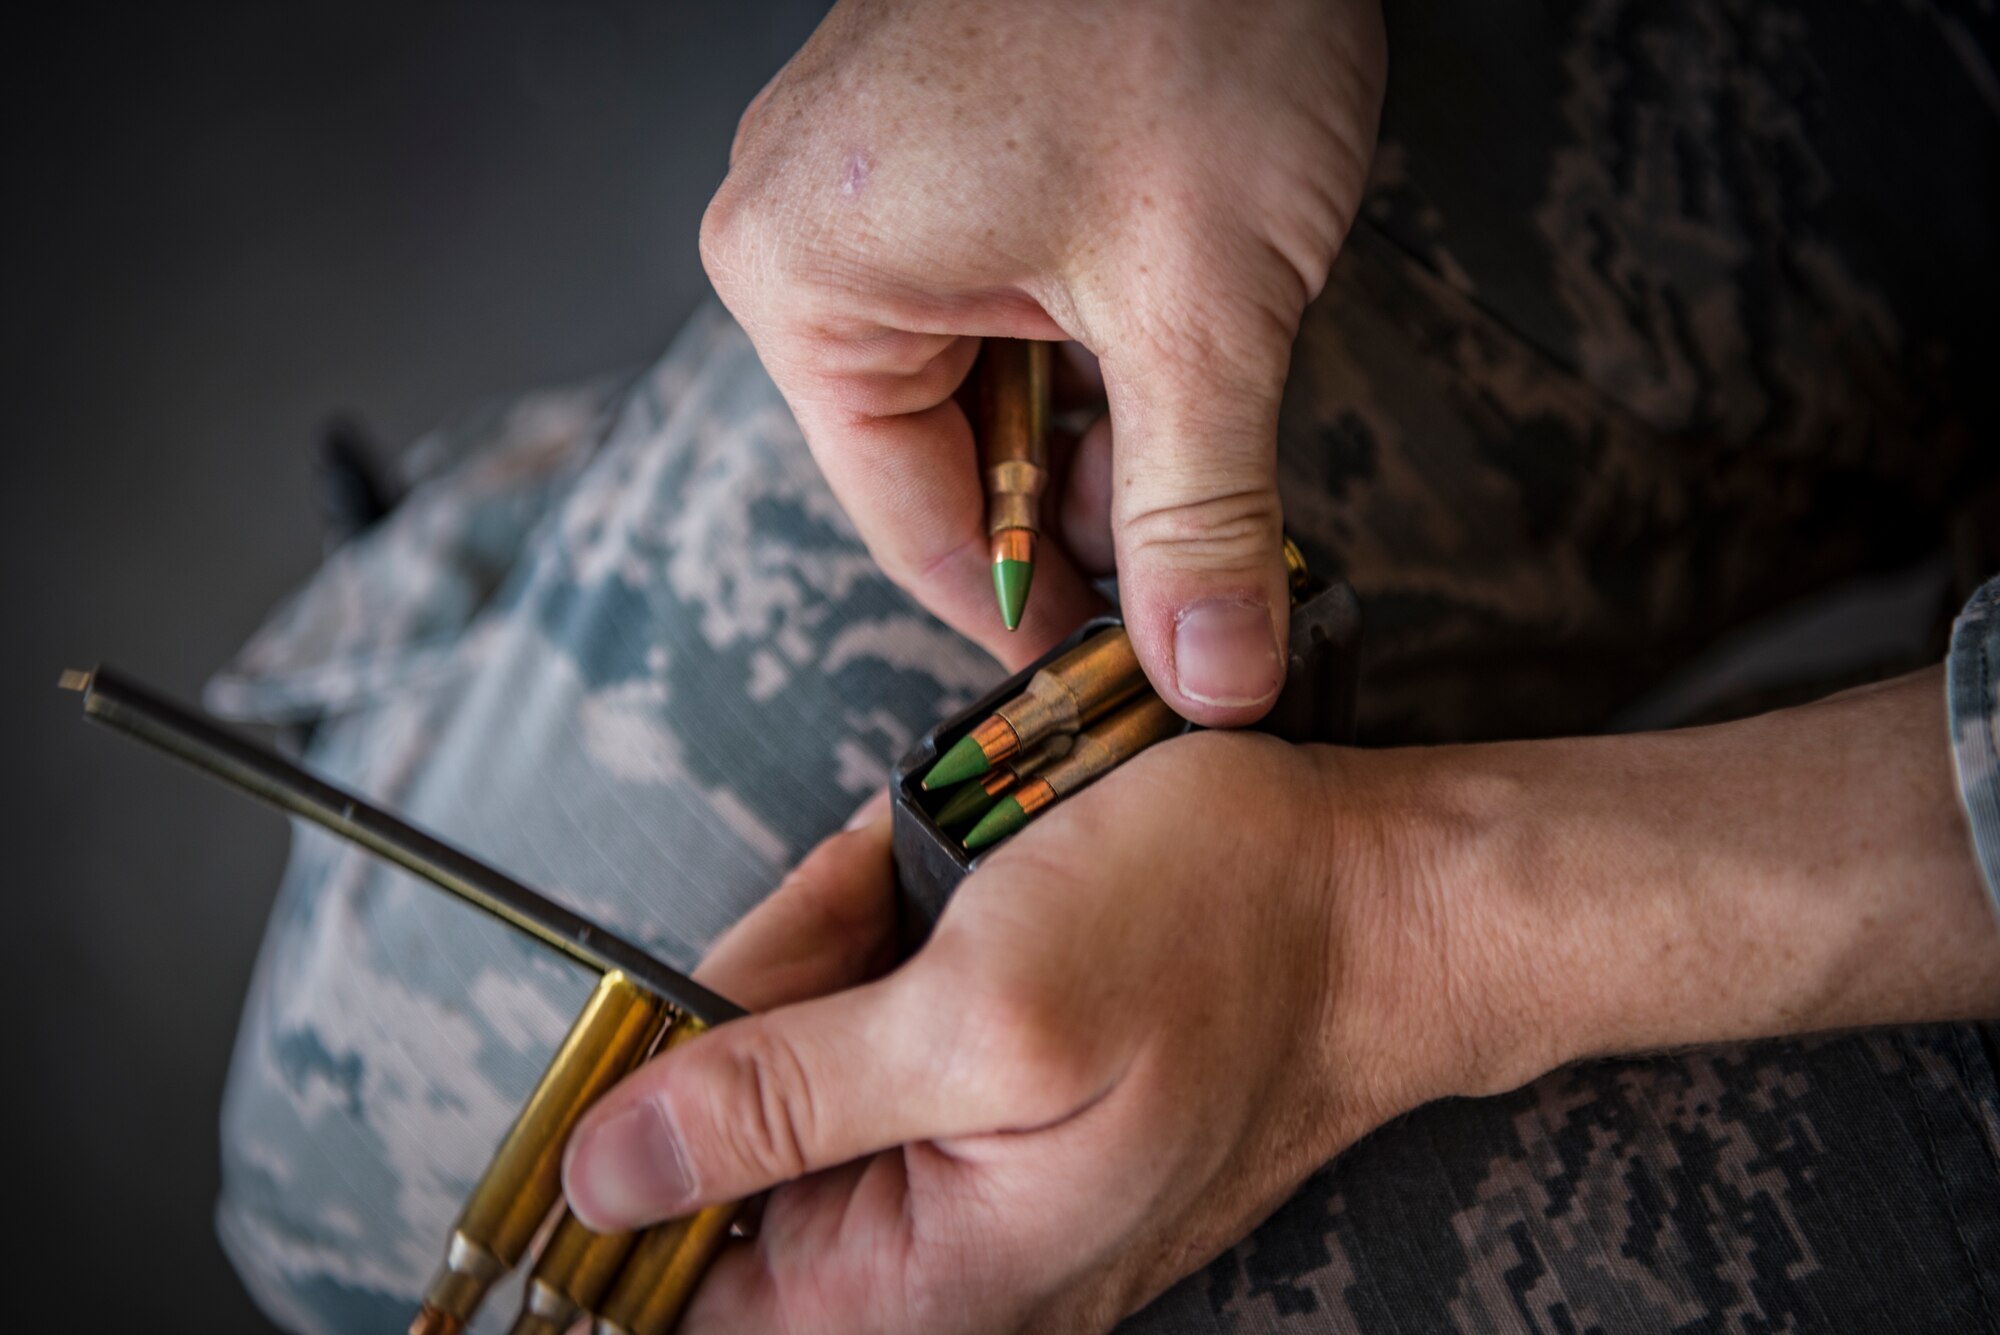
<point>1165,182</point>
<point>1076,1092</point>
<point>1152,1014</point>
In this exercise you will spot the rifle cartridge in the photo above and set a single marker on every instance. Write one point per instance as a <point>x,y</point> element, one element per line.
<point>663,1272</point>
<point>1064,696</point>
<point>666,1262</point>
<point>1298,579</point>
<point>1013,434</point>
<point>975,797</point>
<point>618,1024</point>
<point>570,1277</point>
<point>1099,749</point>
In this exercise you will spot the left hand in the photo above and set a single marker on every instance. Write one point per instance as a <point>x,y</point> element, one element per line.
<point>1150,1015</point>
<point>1133,1033</point>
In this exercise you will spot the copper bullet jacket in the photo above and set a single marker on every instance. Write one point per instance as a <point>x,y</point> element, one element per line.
<point>997,781</point>
<point>1034,795</point>
<point>1012,430</point>
<point>1072,691</point>
<point>1014,544</point>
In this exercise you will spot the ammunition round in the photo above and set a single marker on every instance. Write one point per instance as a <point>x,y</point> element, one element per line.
<point>663,1272</point>
<point>524,1179</point>
<point>1013,430</point>
<point>1096,751</point>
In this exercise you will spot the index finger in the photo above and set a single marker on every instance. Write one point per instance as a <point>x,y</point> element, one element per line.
<point>830,924</point>
<point>898,451</point>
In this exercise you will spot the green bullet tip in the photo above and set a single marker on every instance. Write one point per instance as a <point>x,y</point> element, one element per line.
<point>964,761</point>
<point>966,804</point>
<point>1005,818</point>
<point>1011,580</point>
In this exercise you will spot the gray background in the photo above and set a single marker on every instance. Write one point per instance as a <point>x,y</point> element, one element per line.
<point>224,223</point>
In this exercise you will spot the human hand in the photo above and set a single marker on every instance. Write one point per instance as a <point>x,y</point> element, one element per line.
<point>1149,1016</point>
<point>1165,183</point>
<point>1134,1031</point>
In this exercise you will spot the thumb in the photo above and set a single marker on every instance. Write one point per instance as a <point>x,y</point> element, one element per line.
<point>770,1098</point>
<point>1196,518</point>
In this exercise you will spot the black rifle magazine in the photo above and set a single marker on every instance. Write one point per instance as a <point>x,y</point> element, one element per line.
<point>1316,705</point>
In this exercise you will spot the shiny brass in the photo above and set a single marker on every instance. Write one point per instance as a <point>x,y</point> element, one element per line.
<point>1110,742</point>
<point>570,1277</point>
<point>1000,780</point>
<point>523,1181</point>
<point>665,1266</point>
<point>1075,689</point>
<point>1013,432</point>
<point>664,1271</point>
<point>1297,577</point>
<point>576,1265</point>
<point>1039,758</point>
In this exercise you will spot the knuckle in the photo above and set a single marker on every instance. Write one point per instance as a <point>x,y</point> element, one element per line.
<point>1035,1052</point>
<point>721,240</point>
<point>1222,304</point>
<point>769,1121</point>
<point>1225,530</point>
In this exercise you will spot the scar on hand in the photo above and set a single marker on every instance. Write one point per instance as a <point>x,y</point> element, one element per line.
<point>857,173</point>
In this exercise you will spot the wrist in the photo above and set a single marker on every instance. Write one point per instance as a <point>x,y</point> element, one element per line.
<point>1431,990</point>
<point>1800,871</point>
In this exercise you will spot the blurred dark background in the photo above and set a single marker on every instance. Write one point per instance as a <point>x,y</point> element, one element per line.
<point>225,222</point>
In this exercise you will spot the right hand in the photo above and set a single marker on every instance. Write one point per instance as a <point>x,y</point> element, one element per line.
<point>1164,181</point>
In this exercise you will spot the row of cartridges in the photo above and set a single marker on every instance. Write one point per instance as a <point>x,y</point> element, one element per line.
<point>624,1283</point>
<point>1086,713</point>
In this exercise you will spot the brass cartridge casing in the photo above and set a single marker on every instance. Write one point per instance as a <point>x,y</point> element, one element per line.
<point>1013,432</point>
<point>578,1267</point>
<point>1101,748</point>
<point>1297,577</point>
<point>1111,741</point>
<point>1040,757</point>
<point>1072,691</point>
<point>667,1261</point>
<point>663,1272</point>
<point>570,1277</point>
<point>1000,780</point>
<point>513,1198</point>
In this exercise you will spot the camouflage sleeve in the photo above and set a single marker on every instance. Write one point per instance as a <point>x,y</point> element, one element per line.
<point>1973,689</point>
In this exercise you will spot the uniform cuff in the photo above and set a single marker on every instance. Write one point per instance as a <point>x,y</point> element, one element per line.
<point>1972,684</point>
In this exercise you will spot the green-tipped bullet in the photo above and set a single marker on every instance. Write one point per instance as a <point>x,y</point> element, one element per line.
<point>1011,579</point>
<point>965,760</point>
<point>1006,817</point>
<point>1012,426</point>
<point>967,803</point>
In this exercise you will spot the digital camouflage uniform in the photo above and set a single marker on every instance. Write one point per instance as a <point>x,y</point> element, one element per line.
<point>1660,318</point>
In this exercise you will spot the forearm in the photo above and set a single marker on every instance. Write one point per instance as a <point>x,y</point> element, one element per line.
<point>1807,870</point>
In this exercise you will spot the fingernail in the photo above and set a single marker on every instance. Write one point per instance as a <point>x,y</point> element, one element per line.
<point>1225,653</point>
<point>628,1168</point>
<point>866,813</point>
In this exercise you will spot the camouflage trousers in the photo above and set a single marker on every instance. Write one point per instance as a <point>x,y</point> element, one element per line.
<point>1653,333</point>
